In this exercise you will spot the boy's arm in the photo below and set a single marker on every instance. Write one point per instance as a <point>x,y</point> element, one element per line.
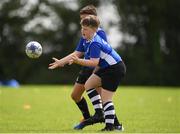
<point>90,63</point>
<point>93,62</point>
<point>64,61</point>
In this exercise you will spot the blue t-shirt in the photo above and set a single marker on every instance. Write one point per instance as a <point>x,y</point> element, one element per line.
<point>99,48</point>
<point>82,48</point>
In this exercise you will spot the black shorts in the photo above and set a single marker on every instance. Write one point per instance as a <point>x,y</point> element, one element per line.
<point>112,76</point>
<point>84,74</point>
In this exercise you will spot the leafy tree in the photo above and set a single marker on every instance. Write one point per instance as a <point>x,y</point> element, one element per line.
<point>153,57</point>
<point>150,46</point>
<point>52,24</point>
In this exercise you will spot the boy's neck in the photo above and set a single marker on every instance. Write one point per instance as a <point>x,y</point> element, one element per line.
<point>89,40</point>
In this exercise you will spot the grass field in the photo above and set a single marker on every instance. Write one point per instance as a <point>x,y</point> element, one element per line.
<point>49,109</point>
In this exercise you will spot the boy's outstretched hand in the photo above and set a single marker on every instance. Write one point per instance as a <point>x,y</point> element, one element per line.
<point>56,63</point>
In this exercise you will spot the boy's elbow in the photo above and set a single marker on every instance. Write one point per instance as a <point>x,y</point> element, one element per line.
<point>95,64</point>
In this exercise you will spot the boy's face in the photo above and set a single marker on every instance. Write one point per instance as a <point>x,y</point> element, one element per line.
<point>87,32</point>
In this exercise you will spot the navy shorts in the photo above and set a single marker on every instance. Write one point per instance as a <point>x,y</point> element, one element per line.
<point>84,74</point>
<point>112,76</point>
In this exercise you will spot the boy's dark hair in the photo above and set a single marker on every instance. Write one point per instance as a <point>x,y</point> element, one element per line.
<point>89,9</point>
<point>90,21</point>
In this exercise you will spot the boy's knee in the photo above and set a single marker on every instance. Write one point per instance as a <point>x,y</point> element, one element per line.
<point>88,86</point>
<point>75,97</point>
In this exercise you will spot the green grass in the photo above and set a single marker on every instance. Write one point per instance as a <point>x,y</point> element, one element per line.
<point>49,109</point>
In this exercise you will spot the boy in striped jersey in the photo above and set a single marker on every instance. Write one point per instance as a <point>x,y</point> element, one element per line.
<point>111,68</point>
<point>84,74</point>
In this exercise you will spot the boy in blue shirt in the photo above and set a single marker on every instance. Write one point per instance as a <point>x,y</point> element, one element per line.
<point>84,74</point>
<point>111,68</point>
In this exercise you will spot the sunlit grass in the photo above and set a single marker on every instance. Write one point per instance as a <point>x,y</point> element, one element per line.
<point>50,109</point>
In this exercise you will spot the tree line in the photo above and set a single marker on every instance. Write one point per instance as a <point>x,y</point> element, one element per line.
<point>152,58</point>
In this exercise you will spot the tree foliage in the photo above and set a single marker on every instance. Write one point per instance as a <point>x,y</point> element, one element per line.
<point>52,24</point>
<point>153,58</point>
<point>150,47</point>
